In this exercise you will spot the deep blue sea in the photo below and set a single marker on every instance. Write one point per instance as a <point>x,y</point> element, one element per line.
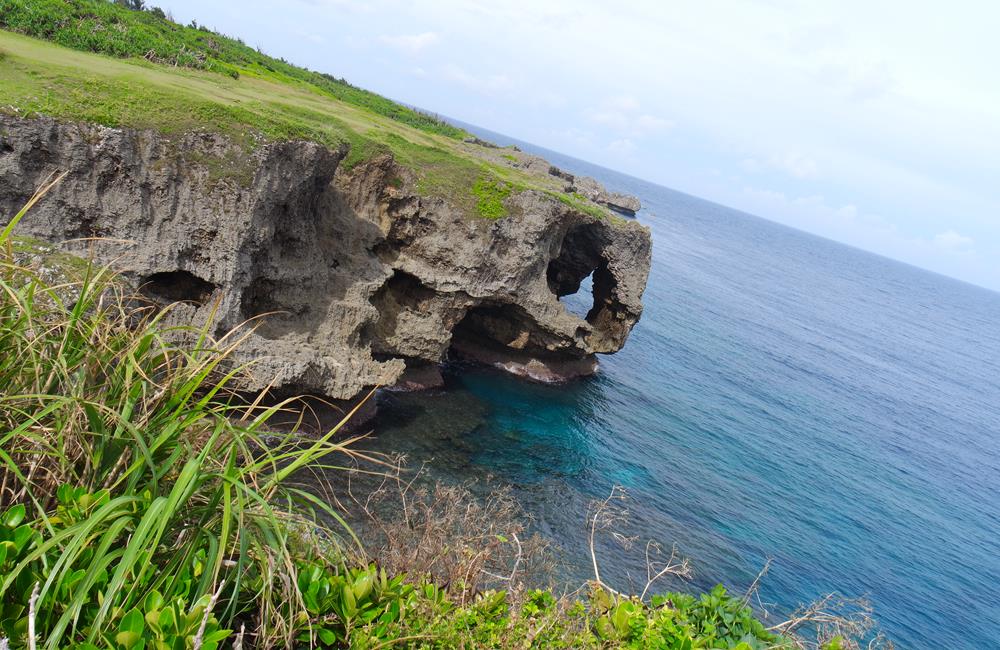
<point>783,397</point>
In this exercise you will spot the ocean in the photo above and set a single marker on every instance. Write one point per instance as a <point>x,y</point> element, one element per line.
<point>783,397</point>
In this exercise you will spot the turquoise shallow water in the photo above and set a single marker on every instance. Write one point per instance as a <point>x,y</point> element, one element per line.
<point>783,396</point>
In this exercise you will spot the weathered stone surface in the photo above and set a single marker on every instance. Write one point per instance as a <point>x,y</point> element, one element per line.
<point>480,142</point>
<point>623,203</point>
<point>559,173</point>
<point>596,192</point>
<point>348,276</point>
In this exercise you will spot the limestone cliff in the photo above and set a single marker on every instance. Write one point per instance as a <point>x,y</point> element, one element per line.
<point>351,276</point>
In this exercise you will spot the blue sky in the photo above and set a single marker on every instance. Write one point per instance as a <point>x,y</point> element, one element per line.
<point>872,123</point>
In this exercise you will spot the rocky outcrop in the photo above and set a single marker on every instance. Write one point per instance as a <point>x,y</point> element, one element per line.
<point>479,142</point>
<point>592,189</point>
<point>622,203</point>
<point>351,278</point>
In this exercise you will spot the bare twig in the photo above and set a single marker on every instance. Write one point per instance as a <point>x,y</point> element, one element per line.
<point>448,533</point>
<point>850,619</point>
<point>610,514</point>
<point>674,566</point>
<point>605,515</point>
<point>199,638</point>
<point>517,562</point>
<point>238,643</point>
<point>753,589</point>
<point>31,617</point>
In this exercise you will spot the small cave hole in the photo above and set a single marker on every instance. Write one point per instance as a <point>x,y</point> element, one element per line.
<point>572,274</point>
<point>603,289</point>
<point>177,286</point>
<point>581,302</point>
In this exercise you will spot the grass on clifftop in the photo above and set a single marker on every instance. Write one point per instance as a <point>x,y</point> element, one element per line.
<point>109,28</point>
<point>105,64</point>
<point>490,195</point>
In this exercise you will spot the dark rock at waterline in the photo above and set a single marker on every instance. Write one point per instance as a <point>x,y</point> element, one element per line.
<point>541,369</point>
<point>419,376</point>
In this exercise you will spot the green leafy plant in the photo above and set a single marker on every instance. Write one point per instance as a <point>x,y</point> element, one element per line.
<point>128,468</point>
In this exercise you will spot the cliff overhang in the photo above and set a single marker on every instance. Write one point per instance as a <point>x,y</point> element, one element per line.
<point>350,278</point>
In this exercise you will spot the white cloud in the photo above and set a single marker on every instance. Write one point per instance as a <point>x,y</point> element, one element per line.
<point>411,43</point>
<point>312,37</point>
<point>622,103</point>
<point>622,113</point>
<point>573,138</point>
<point>849,211</point>
<point>816,38</point>
<point>816,214</point>
<point>490,84</point>
<point>862,81</point>
<point>792,163</point>
<point>767,195</point>
<point>622,147</point>
<point>953,242</point>
<point>795,164</point>
<point>646,123</point>
<point>948,252</point>
<point>871,81</point>
<point>354,6</point>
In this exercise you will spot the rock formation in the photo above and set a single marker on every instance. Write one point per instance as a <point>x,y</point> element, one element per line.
<point>351,277</point>
<point>592,189</point>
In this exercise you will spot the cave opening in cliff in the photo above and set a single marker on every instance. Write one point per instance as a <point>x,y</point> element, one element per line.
<point>491,328</point>
<point>579,275</point>
<point>581,302</point>
<point>177,286</point>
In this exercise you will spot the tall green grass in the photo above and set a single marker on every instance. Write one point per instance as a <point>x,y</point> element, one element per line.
<point>137,491</point>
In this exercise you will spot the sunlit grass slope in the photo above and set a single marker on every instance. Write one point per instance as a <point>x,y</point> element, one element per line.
<point>228,88</point>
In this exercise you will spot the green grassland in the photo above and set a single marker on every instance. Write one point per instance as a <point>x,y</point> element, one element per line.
<point>105,64</point>
<point>110,28</point>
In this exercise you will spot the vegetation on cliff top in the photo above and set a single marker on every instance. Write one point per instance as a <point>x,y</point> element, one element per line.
<point>490,195</point>
<point>138,69</point>
<point>113,29</point>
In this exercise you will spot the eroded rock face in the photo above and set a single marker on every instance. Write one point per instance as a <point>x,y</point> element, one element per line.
<point>350,279</point>
<point>592,189</point>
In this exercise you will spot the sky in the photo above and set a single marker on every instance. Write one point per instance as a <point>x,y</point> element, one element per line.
<point>875,123</point>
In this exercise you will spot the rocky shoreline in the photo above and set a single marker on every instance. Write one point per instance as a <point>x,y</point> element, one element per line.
<point>351,278</point>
